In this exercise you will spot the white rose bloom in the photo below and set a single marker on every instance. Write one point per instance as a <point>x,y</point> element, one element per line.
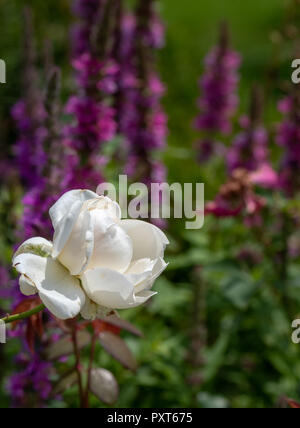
<point>97,261</point>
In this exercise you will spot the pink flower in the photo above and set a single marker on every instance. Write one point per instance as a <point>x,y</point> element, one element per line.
<point>265,176</point>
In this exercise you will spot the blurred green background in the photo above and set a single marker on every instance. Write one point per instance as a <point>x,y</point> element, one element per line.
<point>192,29</point>
<point>249,359</point>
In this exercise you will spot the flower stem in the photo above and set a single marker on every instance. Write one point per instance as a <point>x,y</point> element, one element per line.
<point>17,317</point>
<point>77,363</point>
<point>92,354</point>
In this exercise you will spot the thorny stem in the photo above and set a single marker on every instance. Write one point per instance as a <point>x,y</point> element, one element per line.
<point>17,317</point>
<point>77,362</point>
<point>92,354</point>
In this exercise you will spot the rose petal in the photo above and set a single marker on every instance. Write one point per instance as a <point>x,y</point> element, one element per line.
<point>158,268</point>
<point>107,206</point>
<point>81,239</point>
<point>140,266</point>
<point>59,291</point>
<point>26,286</point>
<point>89,310</point>
<point>64,228</point>
<point>148,240</point>
<point>142,297</point>
<point>112,246</point>
<point>140,270</point>
<point>145,282</point>
<point>38,246</point>
<point>108,288</point>
<point>31,266</point>
<point>63,206</point>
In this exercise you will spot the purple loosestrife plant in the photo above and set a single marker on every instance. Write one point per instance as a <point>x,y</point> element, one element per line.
<point>288,138</point>
<point>37,201</point>
<point>40,197</point>
<point>87,11</point>
<point>34,377</point>
<point>136,39</point>
<point>29,115</point>
<point>249,148</point>
<point>74,157</point>
<point>38,148</point>
<point>148,129</point>
<point>248,166</point>
<point>80,151</point>
<point>151,130</point>
<point>126,77</point>
<point>94,118</point>
<point>40,165</point>
<point>219,99</point>
<point>141,117</point>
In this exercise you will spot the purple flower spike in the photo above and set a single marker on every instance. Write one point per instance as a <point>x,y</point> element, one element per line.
<point>288,137</point>
<point>219,99</point>
<point>93,116</point>
<point>249,149</point>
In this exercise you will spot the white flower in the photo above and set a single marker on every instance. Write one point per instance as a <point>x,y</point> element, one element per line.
<point>97,261</point>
